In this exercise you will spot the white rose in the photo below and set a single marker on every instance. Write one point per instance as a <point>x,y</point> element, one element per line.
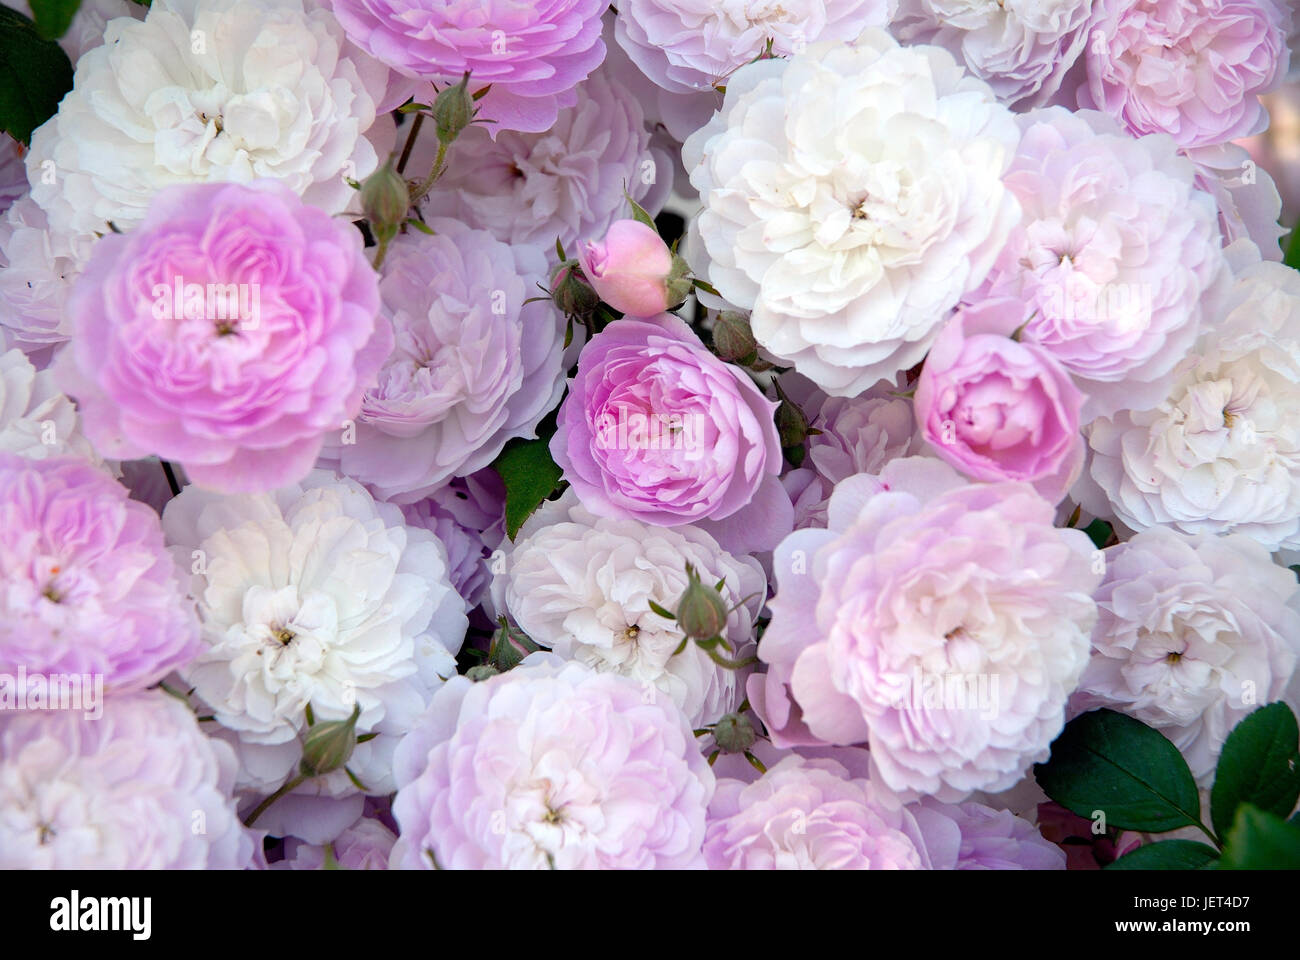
<point>1221,454</point>
<point>313,595</point>
<point>1194,633</point>
<point>852,195</point>
<point>582,585</point>
<point>208,90</point>
<point>36,420</point>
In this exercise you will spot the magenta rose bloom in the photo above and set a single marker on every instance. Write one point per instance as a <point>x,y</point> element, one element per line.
<point>88,587</point>
<point>532,54</point>
<point>1193,69</point>
<point>658,429</point>
<point>999,409</point>
<point>229,331</point>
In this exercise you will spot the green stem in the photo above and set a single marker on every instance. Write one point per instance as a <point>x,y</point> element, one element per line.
<point>1210,833</point>
<point>262,807</point>
<point>380,254</point>
<point>726,662</point>
<point>438,164</point>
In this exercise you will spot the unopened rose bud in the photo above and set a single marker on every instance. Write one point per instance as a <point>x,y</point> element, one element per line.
<point>791,422</point>
<point>328,745</point>
<point>734,733</point>
<point>701,612</point>
<point>733,339</point>
<point>572,293</point>
<point>509,646</point>
<point>453,110</point>
<point>633,270</point>
<point>385,200</point>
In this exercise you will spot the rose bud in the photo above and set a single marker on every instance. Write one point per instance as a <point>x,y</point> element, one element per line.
<point>329,745</point>
<point>509,646</point>
<point>453,110</point>
<point>734,733</point>
<point>573,295</point>
<point>701,612</point>
<point>385,200</point>
<point>733,340</point>
<point>633,270</point>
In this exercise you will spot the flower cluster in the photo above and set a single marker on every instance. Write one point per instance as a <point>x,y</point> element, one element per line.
<point>681,434</point>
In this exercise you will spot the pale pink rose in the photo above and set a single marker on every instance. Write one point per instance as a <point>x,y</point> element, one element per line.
<point>630,269</point>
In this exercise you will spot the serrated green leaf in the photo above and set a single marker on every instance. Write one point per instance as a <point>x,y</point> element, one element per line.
<point>1292,257</point>
<point>53,17</point>
<point>35,73</point>
<point>1260,841</point>
<point>1259,765</point>
<point>529,475</point>
<point>1168,855</point>
<point>1105,762</point>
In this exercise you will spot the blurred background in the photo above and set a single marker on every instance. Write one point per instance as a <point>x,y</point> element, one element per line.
<point>1278,149</point>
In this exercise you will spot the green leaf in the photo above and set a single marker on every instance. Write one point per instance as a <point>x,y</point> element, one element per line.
<point>529,475</point>
<point>1259,765</point>
<point>1260,841</point>
<point>665,613</point>
<point>1100,531</point>
<point>53,17</point>
<point>703,285</point>
<point>1109,763</point>
<point>34,75</point>
<point>1167,855</point>
<point>639,213</point>
<point>1292,258</point>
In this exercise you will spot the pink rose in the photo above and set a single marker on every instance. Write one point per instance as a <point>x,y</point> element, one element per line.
<point>230,330</point>
<point>1193,69</point>
<point>941,623</point>
<point>633,270</point>
<point>528,57</point>
<point>999,409</point>
<point>658,429</point>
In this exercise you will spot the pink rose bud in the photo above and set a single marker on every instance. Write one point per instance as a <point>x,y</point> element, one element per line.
<point>998,409</point>
<point>634,271</point>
